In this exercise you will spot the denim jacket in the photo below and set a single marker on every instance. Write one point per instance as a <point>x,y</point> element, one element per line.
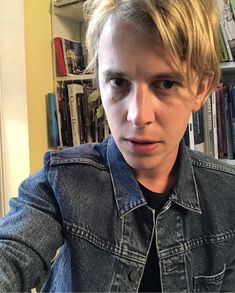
<point>86,201</point>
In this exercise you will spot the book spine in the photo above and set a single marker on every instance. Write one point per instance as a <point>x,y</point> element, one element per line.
<point>65,118</point>
<point>228,124</point>
<point>232,94</point>
<point>58,112</point>
<point>223,50</point>
<point>79,98</point>
<point>208,128</point>
<point>74,114</point>
<point>59,57</point>
<point>191,132</point>
<point>221,4</point>
<point>214,123</point>
<point>52,120</point>
<point>198,131</point>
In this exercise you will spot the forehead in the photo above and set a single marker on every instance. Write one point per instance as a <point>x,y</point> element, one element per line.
<point>125,47</point>
<point>115,29</point>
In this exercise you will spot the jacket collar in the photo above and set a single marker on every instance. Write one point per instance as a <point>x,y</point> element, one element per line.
<point>126,189</point>
<point>185,193</point>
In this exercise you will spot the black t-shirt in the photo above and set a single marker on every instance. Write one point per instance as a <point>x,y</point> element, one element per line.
<point>151,278</point>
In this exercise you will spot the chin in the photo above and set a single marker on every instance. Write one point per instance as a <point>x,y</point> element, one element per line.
<point>141,164</point>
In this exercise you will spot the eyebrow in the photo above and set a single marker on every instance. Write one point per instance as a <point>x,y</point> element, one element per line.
<point>175,75</point>
<point>113,73</point>
<point>169,75</point>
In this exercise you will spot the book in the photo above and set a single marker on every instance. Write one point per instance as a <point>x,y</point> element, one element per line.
<point>232,98</point>
<point>58,112</point>
<point>208,127</point>
<point>232,2</point>
<point>228,121</point>
<point>189,135</point>
<point>214,124</point>
<point>199,142</point>
<point>59,57</point>
<point>73,56</point>
<point>53,134</point>
<point>227,23</point>
<point>88,116</point>
<point>66,129</point>
<point>222,141</point>
<point>223,50</point>
<point>73,90</point>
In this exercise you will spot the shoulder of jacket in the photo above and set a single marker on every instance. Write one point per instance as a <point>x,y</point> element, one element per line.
<point>205,161</point>
<point>83,154</point>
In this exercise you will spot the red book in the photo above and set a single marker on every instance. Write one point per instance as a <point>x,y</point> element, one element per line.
<point>59,57</point>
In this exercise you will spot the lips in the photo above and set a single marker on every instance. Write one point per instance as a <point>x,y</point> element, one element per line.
<point>141,145</point>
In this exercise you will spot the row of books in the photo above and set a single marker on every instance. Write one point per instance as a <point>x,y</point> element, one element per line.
<point>70,57</point>
<point>226,10</point>
<point>212,129</point>
<point>75,116</point>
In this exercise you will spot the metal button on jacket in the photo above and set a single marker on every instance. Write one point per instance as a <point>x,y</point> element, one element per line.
<point>135,275</point>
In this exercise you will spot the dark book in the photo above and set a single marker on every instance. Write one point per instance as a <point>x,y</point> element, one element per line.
<point>66,130</point>
<point>186,136</point>
<point>73,56</point>
<point>232,112</point>
<point>228,121</point>
<point>222,141</point>
<point>198,132</point>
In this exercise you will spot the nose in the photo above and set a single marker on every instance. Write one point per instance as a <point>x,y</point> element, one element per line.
<point>140,106</point>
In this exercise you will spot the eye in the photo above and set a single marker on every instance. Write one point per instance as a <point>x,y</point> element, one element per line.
<point>167,84</point>
<point>119,83</point>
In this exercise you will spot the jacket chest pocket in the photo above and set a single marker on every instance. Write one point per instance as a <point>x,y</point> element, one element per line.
<point>209,283</point>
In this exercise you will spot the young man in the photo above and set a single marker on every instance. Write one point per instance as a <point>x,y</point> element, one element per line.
<point>139,212</point>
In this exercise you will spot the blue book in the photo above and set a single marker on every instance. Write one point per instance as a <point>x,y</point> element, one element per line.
<point>53,133</point>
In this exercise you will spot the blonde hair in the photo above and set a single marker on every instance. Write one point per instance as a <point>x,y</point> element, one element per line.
<point>188,29</point>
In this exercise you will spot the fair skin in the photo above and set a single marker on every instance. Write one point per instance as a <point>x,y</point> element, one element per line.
<point>146,102</point>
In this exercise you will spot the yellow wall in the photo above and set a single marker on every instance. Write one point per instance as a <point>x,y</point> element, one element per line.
<point>39,75</point>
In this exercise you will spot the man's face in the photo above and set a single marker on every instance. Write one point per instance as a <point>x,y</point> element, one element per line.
<point>145,99</point>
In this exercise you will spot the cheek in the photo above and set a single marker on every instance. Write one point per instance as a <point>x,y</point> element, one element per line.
<point>176,118</point>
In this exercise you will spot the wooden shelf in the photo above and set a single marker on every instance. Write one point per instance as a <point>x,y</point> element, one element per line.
<point>228,67</point>
<point>76,77</point>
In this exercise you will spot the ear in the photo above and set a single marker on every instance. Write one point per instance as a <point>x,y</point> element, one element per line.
<point>202,91</point>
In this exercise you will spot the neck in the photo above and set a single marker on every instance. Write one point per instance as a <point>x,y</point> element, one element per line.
<point>159,181</point>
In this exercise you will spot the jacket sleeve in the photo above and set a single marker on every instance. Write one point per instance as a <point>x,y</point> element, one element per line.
<point>30,234</point>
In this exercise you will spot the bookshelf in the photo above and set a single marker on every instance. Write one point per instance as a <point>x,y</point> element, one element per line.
<point>68,22</point>
<point>81,113</point>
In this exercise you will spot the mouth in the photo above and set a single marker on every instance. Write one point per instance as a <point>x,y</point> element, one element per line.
<point>141,145</point>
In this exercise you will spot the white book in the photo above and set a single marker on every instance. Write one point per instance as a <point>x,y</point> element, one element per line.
<point>191,132</point>
<point>214,124</point>
<point>74,89</point>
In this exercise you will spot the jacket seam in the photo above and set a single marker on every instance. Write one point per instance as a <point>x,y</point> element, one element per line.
<point>213,166</point>
<point>93,239</point>
<point>189,245</point>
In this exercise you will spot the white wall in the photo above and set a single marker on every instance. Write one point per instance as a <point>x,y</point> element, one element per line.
<point>13,102</point>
